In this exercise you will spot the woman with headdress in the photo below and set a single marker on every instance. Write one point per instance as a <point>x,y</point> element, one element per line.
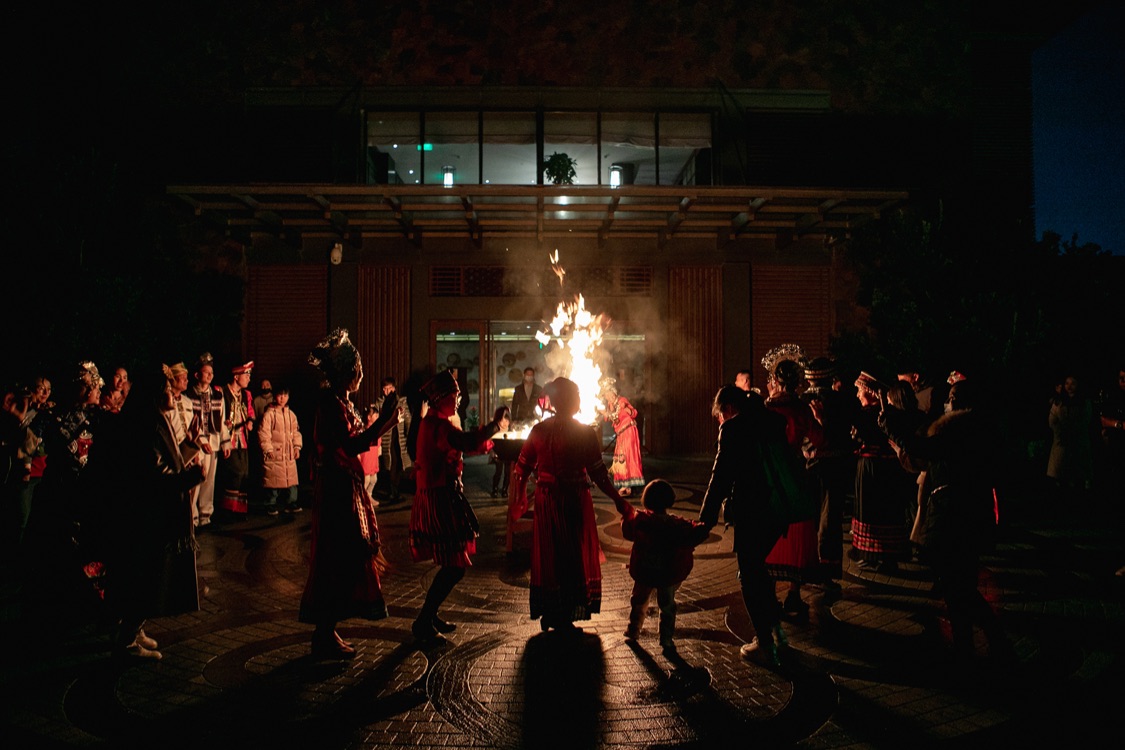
<point>794,557</point>
<point>344,556</point>
<point>883,488</point>
<point>626,466</point>
<point>67,523</point>
<point>566,558</point>
<point>443,527</point>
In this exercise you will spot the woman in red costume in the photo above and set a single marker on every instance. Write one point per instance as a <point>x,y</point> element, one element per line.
<point>344,558</point>
<point>626,467</point>
<point>566,558</point>
<point>443,527</point>
<point>794,557</point>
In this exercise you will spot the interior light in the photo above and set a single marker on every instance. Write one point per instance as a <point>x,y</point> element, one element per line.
<point>615,175</point>
<point>447,176</point>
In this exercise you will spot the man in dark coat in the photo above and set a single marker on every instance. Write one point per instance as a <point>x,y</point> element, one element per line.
<point>740,487</point>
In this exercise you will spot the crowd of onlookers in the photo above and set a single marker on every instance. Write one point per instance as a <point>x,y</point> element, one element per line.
<point>871,447</point>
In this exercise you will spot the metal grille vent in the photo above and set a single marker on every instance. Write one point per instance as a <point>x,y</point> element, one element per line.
<point>445,281</point>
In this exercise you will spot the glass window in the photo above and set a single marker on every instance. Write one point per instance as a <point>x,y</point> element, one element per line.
<point>628,143</point>
<point>509,148</point>
<point>456,146</point>
<point>685,148</point>
<point>392,148</point>
<point>576,135</point>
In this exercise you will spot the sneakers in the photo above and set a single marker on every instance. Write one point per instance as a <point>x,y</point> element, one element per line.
<point>291,509</point>
<point>765,654</point>
<point>272,512</point>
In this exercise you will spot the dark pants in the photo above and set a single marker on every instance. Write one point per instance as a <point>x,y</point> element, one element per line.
<point>752,543</point>
<point>835,476</point>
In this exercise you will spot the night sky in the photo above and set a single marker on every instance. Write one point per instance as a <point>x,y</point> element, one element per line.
<point>1078,125</point>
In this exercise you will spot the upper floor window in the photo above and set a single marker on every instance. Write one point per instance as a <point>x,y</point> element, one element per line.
<point>494,147</point>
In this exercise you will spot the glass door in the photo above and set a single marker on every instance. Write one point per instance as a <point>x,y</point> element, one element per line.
<point>458,345</point>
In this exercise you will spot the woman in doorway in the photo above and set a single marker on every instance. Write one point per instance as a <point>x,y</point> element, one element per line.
<point>443,527</point>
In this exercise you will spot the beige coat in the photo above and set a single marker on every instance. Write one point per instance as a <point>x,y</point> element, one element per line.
<point>280,437</point>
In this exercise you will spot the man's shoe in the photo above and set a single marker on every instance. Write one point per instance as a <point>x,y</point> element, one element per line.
<point>766,654</point>
<point>425,632</point>
<point>442,626</point>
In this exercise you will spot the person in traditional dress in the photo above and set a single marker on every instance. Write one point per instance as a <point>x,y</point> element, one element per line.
<point>882,486</point>
<point>66,528</point>
<point>345,561</point>
<point>114,398</point>
<point>566,557</point>
<point>443,526</point>
<point>152,564</point>
<point>209,410</point>
<point>794,558</point>
<point>959,523</point>
<point>626,467</point>
<point>234,468</point>
<point>831,463</point>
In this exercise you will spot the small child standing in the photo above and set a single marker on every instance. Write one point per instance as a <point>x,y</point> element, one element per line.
<point>661,558</point>
<point>280,438</point>
<point>370,459</point>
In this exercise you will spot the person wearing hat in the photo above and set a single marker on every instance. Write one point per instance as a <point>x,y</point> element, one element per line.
<point>345,558</point>
<point>210,413</point>
<point>443,527</point>
<point>831,463</point>
<point>794,556</point>
<point>234,469</point>
<point>883,488</point>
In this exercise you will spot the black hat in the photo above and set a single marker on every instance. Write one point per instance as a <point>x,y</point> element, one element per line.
<point>439,386</point>
<point>820,369</point>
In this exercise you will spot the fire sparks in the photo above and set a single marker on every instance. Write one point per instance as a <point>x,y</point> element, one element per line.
<point>571,343</point>
<point>577,334</point>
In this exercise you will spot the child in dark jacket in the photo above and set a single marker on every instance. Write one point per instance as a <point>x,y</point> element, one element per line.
<point>661,558</point>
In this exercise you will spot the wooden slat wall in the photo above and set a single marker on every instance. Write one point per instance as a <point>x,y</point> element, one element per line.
<point>695,356</point>
<point>383,335</point>
<point>789,305</point>
<point>286,314</point>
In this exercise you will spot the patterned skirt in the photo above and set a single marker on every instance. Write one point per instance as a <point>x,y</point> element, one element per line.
<point>443,527</point>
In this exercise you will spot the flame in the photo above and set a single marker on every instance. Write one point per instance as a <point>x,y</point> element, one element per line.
<point>570,343</point>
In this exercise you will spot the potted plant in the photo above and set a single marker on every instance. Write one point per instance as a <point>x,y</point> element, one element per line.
<point>559,169</point>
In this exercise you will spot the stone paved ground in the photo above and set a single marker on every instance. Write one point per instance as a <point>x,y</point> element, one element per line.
<point>866,669</point>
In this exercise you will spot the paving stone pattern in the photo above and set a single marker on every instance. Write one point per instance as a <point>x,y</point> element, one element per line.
<point>867,668</point>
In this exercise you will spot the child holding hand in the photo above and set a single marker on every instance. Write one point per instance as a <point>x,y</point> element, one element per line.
<point>661,558</point>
